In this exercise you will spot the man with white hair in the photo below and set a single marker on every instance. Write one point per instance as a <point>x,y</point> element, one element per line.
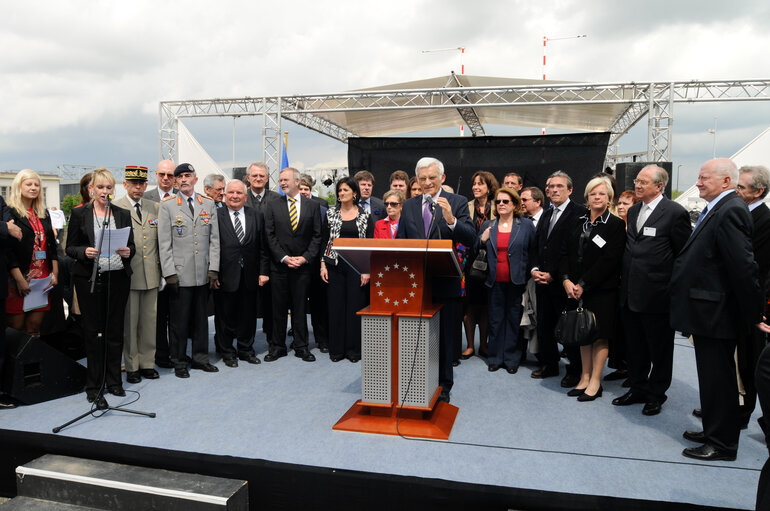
<point>752,187</point>
<point>438,214</point>
<point>714,294</point>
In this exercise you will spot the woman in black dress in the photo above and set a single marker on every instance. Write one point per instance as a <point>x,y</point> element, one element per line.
<point>590,270</point>
<point>348,291</point>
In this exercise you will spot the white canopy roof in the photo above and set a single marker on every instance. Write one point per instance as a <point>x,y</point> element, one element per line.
<point>594,116</point>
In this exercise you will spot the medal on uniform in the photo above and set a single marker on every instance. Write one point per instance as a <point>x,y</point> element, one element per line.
<point>179,224</point>
<point>205,216</point>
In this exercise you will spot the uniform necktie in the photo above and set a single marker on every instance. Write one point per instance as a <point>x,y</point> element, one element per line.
<point>427,216</point>
<point>189,203</point>
<point>701,217</point>
<point>554,219</point>
<point>293,213</point>
<point>165,195</point>
<point>138,211</point>
<point>238,227</point>
<point>643,214</point>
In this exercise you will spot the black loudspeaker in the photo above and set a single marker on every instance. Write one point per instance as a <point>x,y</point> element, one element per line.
<point>35,372</point>
<point>626,172</point>
<point>239,173</point>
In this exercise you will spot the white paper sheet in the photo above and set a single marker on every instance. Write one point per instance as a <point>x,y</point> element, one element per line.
<point>113,240</point>
<point>38,294</point>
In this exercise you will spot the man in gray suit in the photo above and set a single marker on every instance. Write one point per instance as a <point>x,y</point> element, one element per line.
<point>164,173</point>
<point>139,325</point>
<point>188,239</point>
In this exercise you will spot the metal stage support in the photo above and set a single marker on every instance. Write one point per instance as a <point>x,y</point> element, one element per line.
<point>640,98</point>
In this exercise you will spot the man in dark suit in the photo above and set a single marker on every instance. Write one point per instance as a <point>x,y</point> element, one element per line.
<point>257,197</point>
<point>7,227</point>
<point>714,294</point>
<point>242,269</point>
<point>657,230</point>
<point>552,229</point>
<point>373,205</point>
<point>438,214</point>
<point>293,227</point>
<point>752,187</point>
<point>164,173</point>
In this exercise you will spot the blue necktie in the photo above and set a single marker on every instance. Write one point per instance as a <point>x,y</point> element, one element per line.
<point>701,217</point>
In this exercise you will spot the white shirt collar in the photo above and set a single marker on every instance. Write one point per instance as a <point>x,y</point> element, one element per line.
<point>653,203</point>
<point>719,197</point>
<point>755,205</point>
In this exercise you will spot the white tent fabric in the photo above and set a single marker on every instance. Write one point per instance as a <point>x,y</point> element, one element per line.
<point>190,151</point>
<point>375,123</point>
<point>756,152</point>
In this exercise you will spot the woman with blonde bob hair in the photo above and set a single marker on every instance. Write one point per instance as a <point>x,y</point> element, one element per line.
<point>32,257</point>
<point>590,271</point>
<point>102,309</point>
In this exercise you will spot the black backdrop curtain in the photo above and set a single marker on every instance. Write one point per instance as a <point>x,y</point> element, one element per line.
<point>533,157</point>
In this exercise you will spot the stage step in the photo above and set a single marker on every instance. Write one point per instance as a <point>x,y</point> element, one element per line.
<point>30,504</point>
<point>103,485</point>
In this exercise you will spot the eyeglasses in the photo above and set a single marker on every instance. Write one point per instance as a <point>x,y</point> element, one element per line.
<point>393,204</point>
<point>642,182</point>
<point>161,174</point>
<point>502,201</point>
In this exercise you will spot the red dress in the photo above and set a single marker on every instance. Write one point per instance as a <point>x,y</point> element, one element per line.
<point>38,268</point>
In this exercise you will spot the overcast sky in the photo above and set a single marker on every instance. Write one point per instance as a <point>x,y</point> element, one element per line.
<point>80,81</point>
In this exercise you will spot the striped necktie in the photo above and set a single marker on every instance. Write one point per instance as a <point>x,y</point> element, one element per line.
<point>293,213</point>
<point>238,227</point>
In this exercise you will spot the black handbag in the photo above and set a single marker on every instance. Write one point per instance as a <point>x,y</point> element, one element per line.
<point>479,267</point>
<point>576,327</point>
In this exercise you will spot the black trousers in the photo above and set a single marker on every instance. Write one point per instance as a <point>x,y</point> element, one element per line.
<point>649,352</point>
<point>162,353</point>
<point>750,346</point>
<point>102,312</point>
<point>264,310</point>
<point>551,299</point>
<point>235,320</point>
<point>718,390</point>
<point>290,288</point>
<point>189,306</point>
<point>346,296</point>
<point>317,304</point>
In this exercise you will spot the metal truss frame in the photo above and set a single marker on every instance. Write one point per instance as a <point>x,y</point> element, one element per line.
<point>648,98</point>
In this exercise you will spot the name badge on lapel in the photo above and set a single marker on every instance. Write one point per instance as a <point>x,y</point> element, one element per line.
<point>599,241</point>
<point>648,231</point>
<point>39,255</point>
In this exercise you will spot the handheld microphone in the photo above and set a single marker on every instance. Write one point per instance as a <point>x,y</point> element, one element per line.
<point>431,201</point>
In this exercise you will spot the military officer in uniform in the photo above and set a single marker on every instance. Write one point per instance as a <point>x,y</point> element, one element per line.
<point>139,329</point>
<point>188,241</point>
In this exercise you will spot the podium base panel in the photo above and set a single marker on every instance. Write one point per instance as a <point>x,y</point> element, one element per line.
<point>436,424</point>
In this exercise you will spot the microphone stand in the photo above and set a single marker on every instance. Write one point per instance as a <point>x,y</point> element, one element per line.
<point>100,403</point>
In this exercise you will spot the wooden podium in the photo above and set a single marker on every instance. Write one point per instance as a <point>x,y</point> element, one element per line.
<point>400,338</point>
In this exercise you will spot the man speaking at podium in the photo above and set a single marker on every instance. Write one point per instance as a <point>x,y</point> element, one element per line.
<point>438,214</point>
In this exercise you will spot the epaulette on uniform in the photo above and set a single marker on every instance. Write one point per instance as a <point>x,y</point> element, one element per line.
<point>170,196</point>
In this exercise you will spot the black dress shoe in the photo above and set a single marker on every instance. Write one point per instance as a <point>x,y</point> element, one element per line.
<point>181,373</point>
<point>304,355</point>
<point>585,396</point>
<point>629,398</point>
<point>493,367</point>
<point>570,380</point>
<point>443,396</point>
<point>231,362</point>
<point>207,367</point>
<point>695,436</point>
<point>274,355</point>
<point>165,364</point>
<point>697,412</point>
<point>150,374</point>
<point>545,372</point>
<point>101,403</point>
<point>620,374</point>
<point>576,392</point>
<point>116,390</point>
<point>652,408</point>
<point>323,348</point>
<point>463,356</point>
<point>708,452</point>
<point>251,359</point>
<point>334,358</point>
<point>352,358</point>
<point>133,377</point>
<point>512,369</point>
<point>7,405</point>
<point>90,397</point>
<point>455,362</point>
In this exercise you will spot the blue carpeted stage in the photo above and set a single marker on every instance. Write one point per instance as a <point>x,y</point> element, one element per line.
<point>518,443</point>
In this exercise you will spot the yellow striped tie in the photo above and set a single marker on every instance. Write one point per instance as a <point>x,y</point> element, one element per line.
<point>293,213</point>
